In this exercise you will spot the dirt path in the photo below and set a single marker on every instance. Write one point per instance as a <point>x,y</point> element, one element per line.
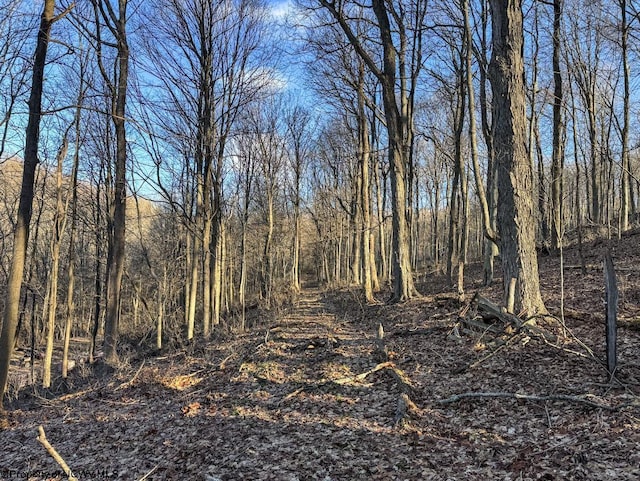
<point>262,407</point>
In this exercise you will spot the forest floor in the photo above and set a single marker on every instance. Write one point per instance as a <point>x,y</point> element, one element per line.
<point>316,396</point>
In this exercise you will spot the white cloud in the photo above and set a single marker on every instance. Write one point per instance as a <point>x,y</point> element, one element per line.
<point>282,9</point>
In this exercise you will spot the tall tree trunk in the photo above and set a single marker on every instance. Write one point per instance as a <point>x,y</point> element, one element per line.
<point>21,229</point>
<point>473,137</point>
<point>436,224</point>
<point>218,267</point>
<point>97,285</point>
<point>557,160</point>
<point>267,260</point>
<point>118,116</point>
<point>454,216</point>
<point>625,176</point>
<point>462,211</point>
<point>368,265</point>
<point>295,263</point>
<point>69,314</point>
<point>355,224</point>
<point>490,247</point>
<point>382,251</point>
<point>403,287</point>
<point>207,269</point>
<point>399,137</point>
<point>59,224</point>
<point>191,284</point>
<point>515,176</point>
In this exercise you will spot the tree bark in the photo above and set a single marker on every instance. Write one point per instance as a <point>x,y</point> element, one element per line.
<point>557,160</point>
<point>515,176</point>
<point>117,246</point>
<point>21,229</point>
<point>626,165</point>
<point>368,264</point>
<point>59,225</point>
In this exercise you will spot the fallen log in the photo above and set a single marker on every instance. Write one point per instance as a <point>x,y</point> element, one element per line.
<point>489,311</point>
<point>405,405</point>
<point>405,408</point>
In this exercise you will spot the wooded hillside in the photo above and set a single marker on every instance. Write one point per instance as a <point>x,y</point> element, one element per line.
<point>177,176</point>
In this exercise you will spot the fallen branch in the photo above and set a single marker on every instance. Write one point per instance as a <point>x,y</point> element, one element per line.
<point>405,407</point>
<point>130,381</point>
<point>341,381</point>
<point>494,352</point>
<point>402,380</point>
<point>415,332</point>
<point>42,438</point>
<point>527,397</point>
<point>73,395</point>
<point>362,377</point>
<point>153,470</point>
<point>223,363</point>
<point>294,394</point>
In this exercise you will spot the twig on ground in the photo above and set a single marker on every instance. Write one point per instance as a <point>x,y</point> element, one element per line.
<point>223,363</point>
<point>153,470</point>
<point>42,438</point>
<point>575,338</point>
<point>528,397</point>
<point>495,351</point>
<point>130,381</point>
<point>341,381</point>
<point>361,377</point>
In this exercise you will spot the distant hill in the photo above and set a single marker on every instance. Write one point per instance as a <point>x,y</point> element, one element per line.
<point>10,182</point>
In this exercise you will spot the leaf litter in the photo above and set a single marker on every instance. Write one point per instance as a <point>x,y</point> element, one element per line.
<point>310,399</point>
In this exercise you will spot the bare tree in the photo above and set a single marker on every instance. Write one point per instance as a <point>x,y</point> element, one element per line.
<point>207,62</point>
<point>515,176</point>
<point>21,230</point>
<point>299,130</point>
<point>393,66</point>
<point>112,17</point>
<point>559,131</point>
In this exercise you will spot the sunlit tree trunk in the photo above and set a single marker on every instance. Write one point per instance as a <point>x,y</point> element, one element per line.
<point>70,307</point>
<point>59,225</point>
<point>97,285</point>
<point>21,229</point>
<point>116,19</point>
<point>381,244</point>
<point>368,261</point>
<point>491,247</point>
<point>473,138</point>
<point>515,176</point>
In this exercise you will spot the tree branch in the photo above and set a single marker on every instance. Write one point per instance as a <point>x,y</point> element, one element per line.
<point>529,397</point>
